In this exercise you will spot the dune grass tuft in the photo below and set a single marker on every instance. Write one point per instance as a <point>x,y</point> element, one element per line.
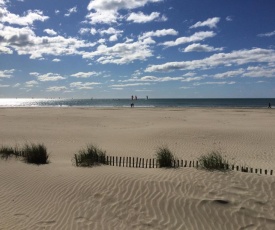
<point>31,153</point>
<point>165,157</point>
<point>213,161</point>
<point>35,154</point>
<point>7,152</point>
<point>90,156</point>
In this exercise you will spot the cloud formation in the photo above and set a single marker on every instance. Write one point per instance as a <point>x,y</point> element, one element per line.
<point>48,77</point>
<point>27,20</point>
<point>198,36</point>
<point>84,85</point>
<point>121,43</point>
<point>159,33</point>
<point>85,74</point>
<point>215,83</point>
<point>107,11</point>
<point>50,32</point>
<point>210,22</point>
<point>140,17</point>
<point>270,34</point>
<point>260,71</point>
<point>228,74</point>
<point>25,42</point>
<point>122,53</point>
<point>240,57</point>
<point>71,11</point>
<point>117,5</point>
<point>197,47</point>
<point>6,73</point>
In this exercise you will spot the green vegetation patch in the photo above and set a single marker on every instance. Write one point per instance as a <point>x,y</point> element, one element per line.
<point>90,156</point>
<point>31,153</point>
<point>165,158</point>
<point>7,152</point>
<point>213,161</point>
<point>35,154</point>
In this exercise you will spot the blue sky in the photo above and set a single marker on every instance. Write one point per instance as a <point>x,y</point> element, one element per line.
<point>119,48</point>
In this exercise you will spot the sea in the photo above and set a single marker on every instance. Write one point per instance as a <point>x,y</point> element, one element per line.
<point>142,103</point>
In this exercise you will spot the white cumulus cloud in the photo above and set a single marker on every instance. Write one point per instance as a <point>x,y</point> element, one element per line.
<point>106,11</point>
<point>50,77</point>
<point>228,74</point>
<point>6,73</point>
<point>270,34</point>
<point>27,20</point>
<point>85,74</point>
<point>159,33</point>
<point>239,57</point>
<point>56,60</point>
<point>140,17</point>
<point>122,53</point>
<point>118,4</point>
<point>197,47</point>
<point>198,36</point>
<point>260,71</point>
<point>71,11</point>
<point>25,42</point>
<point>50,32</point>
<point>210,22</point>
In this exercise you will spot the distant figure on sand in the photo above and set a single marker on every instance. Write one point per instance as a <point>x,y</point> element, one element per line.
<point>269,105</point>
<point>132,105</point>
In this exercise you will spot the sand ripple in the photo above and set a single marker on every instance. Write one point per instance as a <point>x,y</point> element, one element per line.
<point>59,196</point>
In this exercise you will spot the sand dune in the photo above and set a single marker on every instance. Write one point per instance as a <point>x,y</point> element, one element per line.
<point>61,196</point>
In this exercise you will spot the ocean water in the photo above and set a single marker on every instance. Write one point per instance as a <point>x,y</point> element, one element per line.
<point>216,103</point>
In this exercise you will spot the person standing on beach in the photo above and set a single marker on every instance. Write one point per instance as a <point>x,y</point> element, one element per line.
<point>269,105</point>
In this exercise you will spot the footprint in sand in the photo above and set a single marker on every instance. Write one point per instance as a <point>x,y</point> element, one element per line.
<point>98,196</point>
<point>221,201</point>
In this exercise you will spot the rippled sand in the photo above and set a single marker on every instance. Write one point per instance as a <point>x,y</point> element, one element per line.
<point>61,196</point>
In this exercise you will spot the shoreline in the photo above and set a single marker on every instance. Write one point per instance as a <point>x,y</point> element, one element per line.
<point>140,103</point>
<point>136,107</point>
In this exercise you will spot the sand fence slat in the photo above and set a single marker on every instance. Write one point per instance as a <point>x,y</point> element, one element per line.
<point>130,162</point>
<point>137,162</point>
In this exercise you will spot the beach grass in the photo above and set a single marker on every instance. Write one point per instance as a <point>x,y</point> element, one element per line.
<point>6,152</point>
<point>90,156</point>
<point>213,161</point>
<point>35,154</point>
<point>31,153</point>
<point>165,157</point>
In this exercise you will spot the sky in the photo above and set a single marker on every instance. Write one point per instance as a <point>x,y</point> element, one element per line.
<point>155,48</point>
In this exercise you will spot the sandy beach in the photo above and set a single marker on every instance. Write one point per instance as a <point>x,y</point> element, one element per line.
<point>61,196</point>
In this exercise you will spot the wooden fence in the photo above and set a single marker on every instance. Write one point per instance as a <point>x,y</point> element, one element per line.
<point>137,162</point>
